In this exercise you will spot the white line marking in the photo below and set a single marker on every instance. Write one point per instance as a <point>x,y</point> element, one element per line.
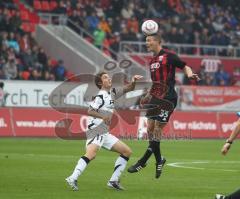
<point>182,165</point>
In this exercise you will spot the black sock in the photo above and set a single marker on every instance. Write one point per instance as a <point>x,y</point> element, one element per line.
<point>235,195</point>
<point>147,154</point>
<point>156,150</point>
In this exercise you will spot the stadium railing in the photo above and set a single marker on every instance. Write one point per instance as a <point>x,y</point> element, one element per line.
<point>184,49</point>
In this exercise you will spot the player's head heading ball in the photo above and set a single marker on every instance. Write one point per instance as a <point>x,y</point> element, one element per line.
<point>102,80</point>
<point>153,42</point>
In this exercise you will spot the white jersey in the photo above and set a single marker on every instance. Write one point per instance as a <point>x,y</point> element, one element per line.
<point>104,104</point>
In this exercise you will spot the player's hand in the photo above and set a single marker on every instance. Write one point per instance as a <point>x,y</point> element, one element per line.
<point>145,100</point>
<point>136,77</point>
<point>194,76</point>
<point>225,148</point>
<point>107,120</point>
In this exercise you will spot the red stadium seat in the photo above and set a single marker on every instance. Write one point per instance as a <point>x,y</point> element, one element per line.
<point>34,18</point>
<point>53,5</point>
<point>24,15</point>
<point>22,6</point>
<point>45,6</point>
<point>37,5</point>
<point>28,27</point>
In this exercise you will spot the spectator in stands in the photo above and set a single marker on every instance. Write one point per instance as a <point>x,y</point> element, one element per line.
<point>28,59</point>
<point>220,39</point>
<point>12,42</point>
<point>114,43</point>
<point>93,22</point>
<point>35,74</point>
<point>42,57</point>
<point>4,39</point>
<point>10,69</point>
<point>115,24</point>
<point>3,95</point>
<point>236,76</point>
<point>127,11</point>
<point>61,9</point>
<point>174,36</point>
<point>209,81</point>
<point>133,24</point>
<point>59,71</point>
<point>25,42</point>
<point>221,78</point>
<point>99,36</point>
<point>202,75</point>
<point>16,22</point>
<point>103,24</point>
<point>132,36</point>
<point>48,76</point>
<point>204,40</point>
<point>5,23</point>
<point>99,10</point>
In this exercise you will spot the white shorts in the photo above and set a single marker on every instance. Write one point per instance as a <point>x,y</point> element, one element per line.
<point>106,141</point>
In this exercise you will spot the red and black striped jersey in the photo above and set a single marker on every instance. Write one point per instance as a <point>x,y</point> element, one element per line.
<point>162,68</point>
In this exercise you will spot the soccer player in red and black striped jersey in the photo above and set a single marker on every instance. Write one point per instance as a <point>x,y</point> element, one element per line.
<point>163,95</point>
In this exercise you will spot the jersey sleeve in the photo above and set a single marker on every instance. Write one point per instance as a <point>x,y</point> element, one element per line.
<point>176,61</point>
<point>97,103</point>
<point>117,92</point>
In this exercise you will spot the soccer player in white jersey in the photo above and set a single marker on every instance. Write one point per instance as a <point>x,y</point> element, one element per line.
<point>100,112</point>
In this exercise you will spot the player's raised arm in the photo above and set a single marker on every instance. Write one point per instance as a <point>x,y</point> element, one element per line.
<point>232,137</point>
<point>131,86</point>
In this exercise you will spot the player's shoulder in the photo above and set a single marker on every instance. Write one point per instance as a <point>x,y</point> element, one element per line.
<point>100,94</point>
<point>168,51</point>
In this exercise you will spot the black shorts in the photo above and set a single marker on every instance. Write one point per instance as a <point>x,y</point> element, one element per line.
<point>161,109</point>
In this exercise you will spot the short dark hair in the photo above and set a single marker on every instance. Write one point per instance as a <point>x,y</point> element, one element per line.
<point>1,84</point>
<point>157,36</point>
<point>98,79</point>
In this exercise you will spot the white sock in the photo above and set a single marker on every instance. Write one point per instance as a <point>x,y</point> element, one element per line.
<point>119,167</point>
<point>80,167</point>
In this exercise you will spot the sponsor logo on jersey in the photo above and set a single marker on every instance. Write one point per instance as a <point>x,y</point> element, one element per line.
<point>155,66</point>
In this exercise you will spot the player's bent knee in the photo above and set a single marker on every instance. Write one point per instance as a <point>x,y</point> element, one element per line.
<point>150,129</point>
<point>90,156</point>
<point>127,152</point>
<point>91,151</point>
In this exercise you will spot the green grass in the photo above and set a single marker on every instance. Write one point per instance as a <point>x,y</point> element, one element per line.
<point>36,168</point>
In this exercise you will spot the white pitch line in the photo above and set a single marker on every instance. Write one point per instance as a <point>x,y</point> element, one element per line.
<point>182,165</point>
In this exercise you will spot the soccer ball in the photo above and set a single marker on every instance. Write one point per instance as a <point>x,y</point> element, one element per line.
<point>149,27</point>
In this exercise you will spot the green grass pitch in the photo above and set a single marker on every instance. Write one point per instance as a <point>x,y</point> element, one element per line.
<point>37,168</point>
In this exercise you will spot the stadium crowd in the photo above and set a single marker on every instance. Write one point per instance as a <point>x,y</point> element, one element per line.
<point>21,58</point>
<point>187,21</point>
<point>219,78</point>
<point>110,21</point>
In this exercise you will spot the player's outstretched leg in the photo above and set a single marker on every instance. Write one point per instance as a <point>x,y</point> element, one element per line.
<point>80,167</point>
<point>141,163</point>
<point>136,167</point>
<point>159,167</point>
<point>91,151</point>
<point>120,164</point>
